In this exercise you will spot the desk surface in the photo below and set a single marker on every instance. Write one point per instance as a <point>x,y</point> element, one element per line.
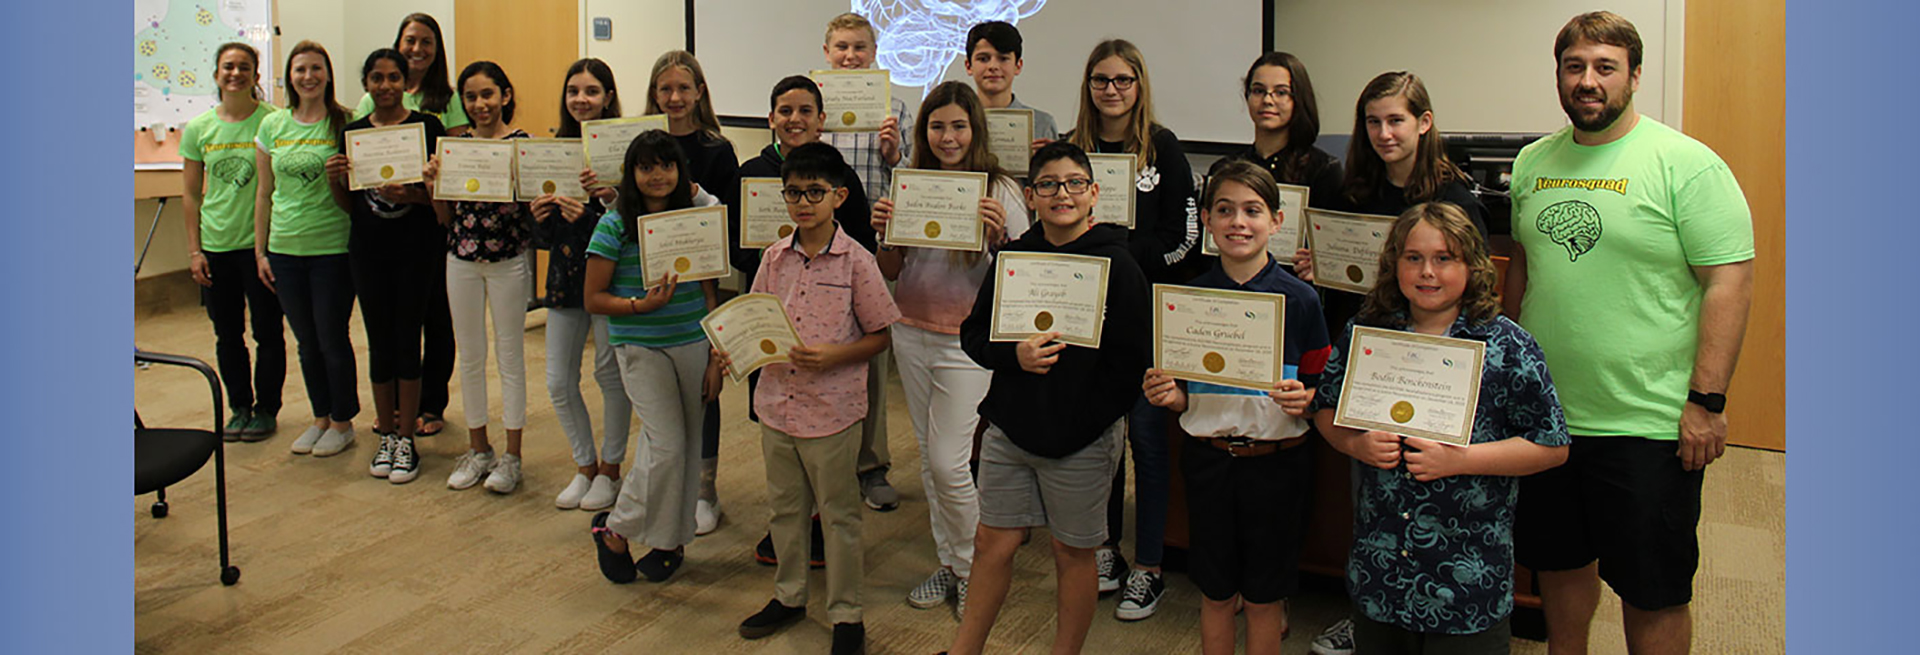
<point>148,185</point>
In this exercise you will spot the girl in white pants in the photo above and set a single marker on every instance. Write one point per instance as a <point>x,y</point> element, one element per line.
<point>935,291</point>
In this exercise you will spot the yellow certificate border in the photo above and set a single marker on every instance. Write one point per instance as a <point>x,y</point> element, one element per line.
<point>1207,246</point>
<point>586,153</point>
<point>1133,174</point>
<point>902,175</point>
<point>744,215</point>
<point>1164,292</point>
<point>1000,273</point>
<point>457,195</point>
<point>579,192</point>
<point>886,96</point>
<point>419,171</point>
<point>1026,144</point>
<point>1363,334</point>
<point>719,213</point>
<point>736,372</point>
<point>1334,281</point>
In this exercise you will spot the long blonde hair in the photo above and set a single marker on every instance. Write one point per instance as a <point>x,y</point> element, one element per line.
<point>1140,123</point>
<point>703,110</point>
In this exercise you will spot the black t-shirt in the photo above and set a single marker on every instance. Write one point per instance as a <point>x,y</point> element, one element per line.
<point>385,230</point>
<point>713,164</point>
<point>1166,227</point>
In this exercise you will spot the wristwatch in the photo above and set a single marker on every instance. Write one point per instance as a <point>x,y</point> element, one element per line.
<point>1712,402</point>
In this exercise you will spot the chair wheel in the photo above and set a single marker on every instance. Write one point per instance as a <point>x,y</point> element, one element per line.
<point>230,575</point>
<point>160,510</point>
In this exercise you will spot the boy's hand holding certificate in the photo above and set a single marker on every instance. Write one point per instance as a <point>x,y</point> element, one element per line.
<point>1010,138</point>
<point>1035,293</point>
<point>763,213</point>
<point>1346,248</point>
<point>396,154</point>
<point>1411,384</point>
<point>605,143</point>
<point>855,100</point>
<point>1231,338</point>
<point>1115,174</point>
<point>1286,239</point>
<point>476,170</point>
<point>549,167</point>
<point>937,209</point>
<point>690,243</point>
<point>753,330</point>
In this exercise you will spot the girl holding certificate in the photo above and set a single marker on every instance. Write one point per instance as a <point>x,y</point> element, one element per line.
<point>566,225</point>
<point>678,88</point>
<point>487,273</point>
<point>300,241</point>
<point>392,226</point>
<point>1431,568</point>
<point>668,367</point>
<point>217,147</point>
<point>1116,116</point>
<point>936,290</point>
<point>421,43</point>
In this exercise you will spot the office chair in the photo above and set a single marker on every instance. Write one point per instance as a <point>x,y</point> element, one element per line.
<point>162,457</point>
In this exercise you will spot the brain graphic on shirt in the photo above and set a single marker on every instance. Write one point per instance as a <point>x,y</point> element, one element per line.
<point>920,38</point>
<point>237,171</point>
<point>1573,224</point>
<point>305,166</point>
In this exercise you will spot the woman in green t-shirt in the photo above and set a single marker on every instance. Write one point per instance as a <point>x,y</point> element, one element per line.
<point>428,90</point>
<point>217,147</point>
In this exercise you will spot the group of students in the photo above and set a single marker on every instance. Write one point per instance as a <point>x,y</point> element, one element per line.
<point>276,230</point>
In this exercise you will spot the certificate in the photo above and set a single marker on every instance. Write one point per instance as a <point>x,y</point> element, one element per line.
<point>1283,241</point>
<point>1411,384</point>
<point>1039,292</point>
<point>753,330</point>
<point>476,170</point>
<point>938,209</point>
<point>1010,138</point>
<point>763,214</point>
<point>605,143</point>
<point>548,166</point>
<point>691,243</point>
<point>1232,338</point>
<point>855,100</point>
<point>1115,175</point>
<point>396,154</point>
<point>1346,248</point>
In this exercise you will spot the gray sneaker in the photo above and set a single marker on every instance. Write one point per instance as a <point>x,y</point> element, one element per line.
<point>1337,639</point>
<point>880,496</point>
<point>304,443</point>
<point>333,442</point>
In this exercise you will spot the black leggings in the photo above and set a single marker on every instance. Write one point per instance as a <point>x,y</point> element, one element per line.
<point>393,294</point>
<point>251,385</point>
<point>436,360</point>
<point>317,294</point>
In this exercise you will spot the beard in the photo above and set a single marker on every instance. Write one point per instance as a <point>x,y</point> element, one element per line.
<point>1610,111</point>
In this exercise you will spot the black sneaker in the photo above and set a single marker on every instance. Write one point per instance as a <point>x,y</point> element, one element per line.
<point>771,619</point>
<point>1142,597</point>
<point>764,554</point>
<point>1112,567</point>
<point>849,639</point>
<point>659,565</point>
<point>617,567</point>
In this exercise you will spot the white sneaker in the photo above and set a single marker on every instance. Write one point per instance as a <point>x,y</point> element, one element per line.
<point>406,463</point>
<point>506,474</point>
<point>383,460</point>
<point>569,497</point>
<point>333,442</point>
<point>935,590</point>
<point>601,495</point>
<point>1337,639</point>
<point>706,516</point>
<point>469,468</point>
<point>304,443</point>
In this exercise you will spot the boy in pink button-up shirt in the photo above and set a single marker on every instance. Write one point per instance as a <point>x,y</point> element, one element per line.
<point>811,409</point>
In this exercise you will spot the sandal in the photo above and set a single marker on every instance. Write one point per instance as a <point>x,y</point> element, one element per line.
<point>617,567</point>
<point>421,425</point>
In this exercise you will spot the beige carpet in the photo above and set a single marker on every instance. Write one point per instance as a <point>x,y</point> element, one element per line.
<point>337,561</point>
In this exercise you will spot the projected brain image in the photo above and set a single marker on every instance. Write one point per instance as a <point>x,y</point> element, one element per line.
<point>920,38</point>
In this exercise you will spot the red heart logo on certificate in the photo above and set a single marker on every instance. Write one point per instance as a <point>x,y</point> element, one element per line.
<point>1369,351</point>
<point>650,231</point>
<point>1169,306</point>
<point>719,328</point>
<point>755,194</point>
<point>1009,272</point>
<point>903,186</point>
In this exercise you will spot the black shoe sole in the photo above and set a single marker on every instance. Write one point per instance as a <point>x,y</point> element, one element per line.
<point>758,632</point>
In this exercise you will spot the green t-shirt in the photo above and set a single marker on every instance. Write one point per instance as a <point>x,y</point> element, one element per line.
<point>226,152</point>
<point>1610,233</point>
<point>305,220</point>
<point>454,116</point>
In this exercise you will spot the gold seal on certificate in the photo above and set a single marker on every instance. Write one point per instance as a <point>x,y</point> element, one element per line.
<point>396,154</point>
<point>475,170</point>
<point>691,243</point>
<point>1010,139</point>
<point>1346,248</point>
<point>1283,241</point>
<point>1115,174</point>
<point>1411,384</point>
<point>860,99</point>
<point>1043,292</point>
<point>604,143</point>
<point>763,214</point>
<point>753,330</point>
<point>548,166</point>
<point>1231,338</point>
<point>937,209</point>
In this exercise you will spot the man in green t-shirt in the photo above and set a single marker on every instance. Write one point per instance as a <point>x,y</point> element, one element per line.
<point>1633,268</point>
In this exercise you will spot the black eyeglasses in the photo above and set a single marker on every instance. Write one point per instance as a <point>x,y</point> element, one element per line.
<point>1277,92</point>
<point>1122,83</point>
<point>1049,188</point>
<point>793,196</point>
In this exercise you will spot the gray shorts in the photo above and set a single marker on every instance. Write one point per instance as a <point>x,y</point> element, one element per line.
<point>1019,489</point>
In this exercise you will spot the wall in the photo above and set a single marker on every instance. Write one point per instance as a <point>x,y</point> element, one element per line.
<point>642,29</point>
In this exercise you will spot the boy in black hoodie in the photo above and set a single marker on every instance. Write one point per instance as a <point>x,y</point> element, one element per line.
<point>1055,414</point>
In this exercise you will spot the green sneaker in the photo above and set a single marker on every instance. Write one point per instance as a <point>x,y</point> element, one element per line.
<point>259,427</point>
<point>237,425</point>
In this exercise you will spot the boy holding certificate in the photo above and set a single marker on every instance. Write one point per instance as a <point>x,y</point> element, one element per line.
<point>1245,473</point>
<point>811,409</point>
<point>1054,413</point>
<point>1432,563</point>
<point>993,60</point>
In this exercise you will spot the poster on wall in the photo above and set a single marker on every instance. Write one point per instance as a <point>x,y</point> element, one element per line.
<point>173,46</point>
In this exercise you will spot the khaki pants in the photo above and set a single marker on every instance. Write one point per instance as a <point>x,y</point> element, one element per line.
<point>874,451</point>
<point>803,474</point>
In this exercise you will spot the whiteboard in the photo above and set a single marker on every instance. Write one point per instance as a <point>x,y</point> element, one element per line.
<point>173,46</point>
